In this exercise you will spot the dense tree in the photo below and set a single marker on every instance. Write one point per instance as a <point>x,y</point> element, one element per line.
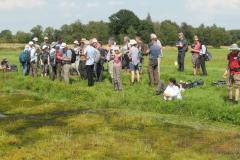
<point>23,37</point>
<point>99,30</point>
<point>37,31</point>
<point>49,32</point>
<point>6,36</point>
<point>145,29</point>
<point>121,21</point>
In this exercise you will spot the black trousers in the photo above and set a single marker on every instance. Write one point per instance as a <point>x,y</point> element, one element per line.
<point>90,75</point>
<point>181,59</point>
<point>99,71</point>
<point>202,65</point>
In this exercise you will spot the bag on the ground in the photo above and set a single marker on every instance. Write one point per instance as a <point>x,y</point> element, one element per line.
<point>219,83</point>
<point>189,84</point>
<point>23,57</point>
<point>74,56</point>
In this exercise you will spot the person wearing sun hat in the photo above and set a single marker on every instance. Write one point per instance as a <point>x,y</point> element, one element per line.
<point>117,67</point>
<point>134,61</point>
<point>76,49</point>
<point>66,61</point>
<point>233,72</point>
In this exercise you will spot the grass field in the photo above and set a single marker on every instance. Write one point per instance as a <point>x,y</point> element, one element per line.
<point>51,120</point>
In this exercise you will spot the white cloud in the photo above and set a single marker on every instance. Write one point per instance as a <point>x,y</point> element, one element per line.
<point>212,6</point>
<point>14,4</point>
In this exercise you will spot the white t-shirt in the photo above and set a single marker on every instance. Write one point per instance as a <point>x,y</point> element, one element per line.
<point>173,91</point>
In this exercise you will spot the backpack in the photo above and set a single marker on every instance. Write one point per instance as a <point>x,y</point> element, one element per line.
<point>208,55</point>
<point>234,63</point>
<point>97,56</point>
<point>74,56</point>
<point>23,57</point>
<point>52,58</point>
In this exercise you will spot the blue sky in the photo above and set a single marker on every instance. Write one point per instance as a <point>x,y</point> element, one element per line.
<point>24,14</point>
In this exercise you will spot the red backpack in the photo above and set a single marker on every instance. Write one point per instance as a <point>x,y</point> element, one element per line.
<point>234,61</point>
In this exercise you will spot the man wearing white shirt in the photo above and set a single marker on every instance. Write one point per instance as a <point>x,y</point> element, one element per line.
<point>33,60</point>
<point>201,59</point>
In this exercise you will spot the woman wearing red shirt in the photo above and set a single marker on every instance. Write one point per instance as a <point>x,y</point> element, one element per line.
<point>195,54</point>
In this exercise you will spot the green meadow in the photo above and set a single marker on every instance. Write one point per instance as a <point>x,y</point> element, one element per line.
<point>41,119</point>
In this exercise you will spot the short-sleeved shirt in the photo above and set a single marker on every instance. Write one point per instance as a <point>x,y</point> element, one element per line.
<point>90,53</point>
<point>184,45</point>
<point>67,54</point>
<point>155,51</point>
<point>134,55</point>
<point>197,47</point>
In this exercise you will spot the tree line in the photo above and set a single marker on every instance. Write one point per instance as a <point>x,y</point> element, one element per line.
<point>123,23</point>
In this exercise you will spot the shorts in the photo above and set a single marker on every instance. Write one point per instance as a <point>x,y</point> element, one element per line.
<point>195,60</point>
<point>133,67</point>
<point>234,79</point>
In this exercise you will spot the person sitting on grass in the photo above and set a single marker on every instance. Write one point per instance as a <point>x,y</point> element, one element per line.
<point>172,91</point>
<point>5,65</point>
<point>134,61</point>
<point>117,67</point>
<point>233,71</point>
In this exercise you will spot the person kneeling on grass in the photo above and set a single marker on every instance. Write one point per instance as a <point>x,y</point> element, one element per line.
<point>117,67</point>
<point>172,91</point>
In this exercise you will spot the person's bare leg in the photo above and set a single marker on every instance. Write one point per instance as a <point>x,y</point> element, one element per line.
<point>230,93</point>
<point>194,71</point>
<point>138,76</point>
<point>237,94</point>
<point>133,77</point>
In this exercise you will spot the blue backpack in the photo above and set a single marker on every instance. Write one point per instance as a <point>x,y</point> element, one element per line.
<point>23,57</point>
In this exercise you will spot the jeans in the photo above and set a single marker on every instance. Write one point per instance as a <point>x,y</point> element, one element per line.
<point>99,72</point>
<point>25,68</point>
<point>181,58</point>
<point>90,75</point>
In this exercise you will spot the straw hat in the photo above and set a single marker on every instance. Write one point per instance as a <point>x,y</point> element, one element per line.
<point>76,42</point>
<point>46,38</point>
<point>153,36</point>
<point>35,39</point>
<point>64,45</point>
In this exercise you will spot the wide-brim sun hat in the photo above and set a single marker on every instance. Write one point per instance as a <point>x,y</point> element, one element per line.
<point>76,42</point>
<point>86,42</point>
<point>196,38</point>
<point>64,45</point>
<point>53,44</point>
<point>44,47</point>
<point>94,40</point>
<point>35,39</point>
<point>45,38</point>
<point>83,40</point>
<point>31,43</point>
<point>234,47</point>
<point>133,42</point>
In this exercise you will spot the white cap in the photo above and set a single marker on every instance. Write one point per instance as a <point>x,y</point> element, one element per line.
<point>31,43</point>
<point>132,42</point>
<point>44,47</point>
<point>76,42</point>
<point>35,39</point>
<point>64,45</point>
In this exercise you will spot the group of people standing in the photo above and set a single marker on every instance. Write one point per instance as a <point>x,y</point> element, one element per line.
<point>198,50</point>
<point>87,59</point>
